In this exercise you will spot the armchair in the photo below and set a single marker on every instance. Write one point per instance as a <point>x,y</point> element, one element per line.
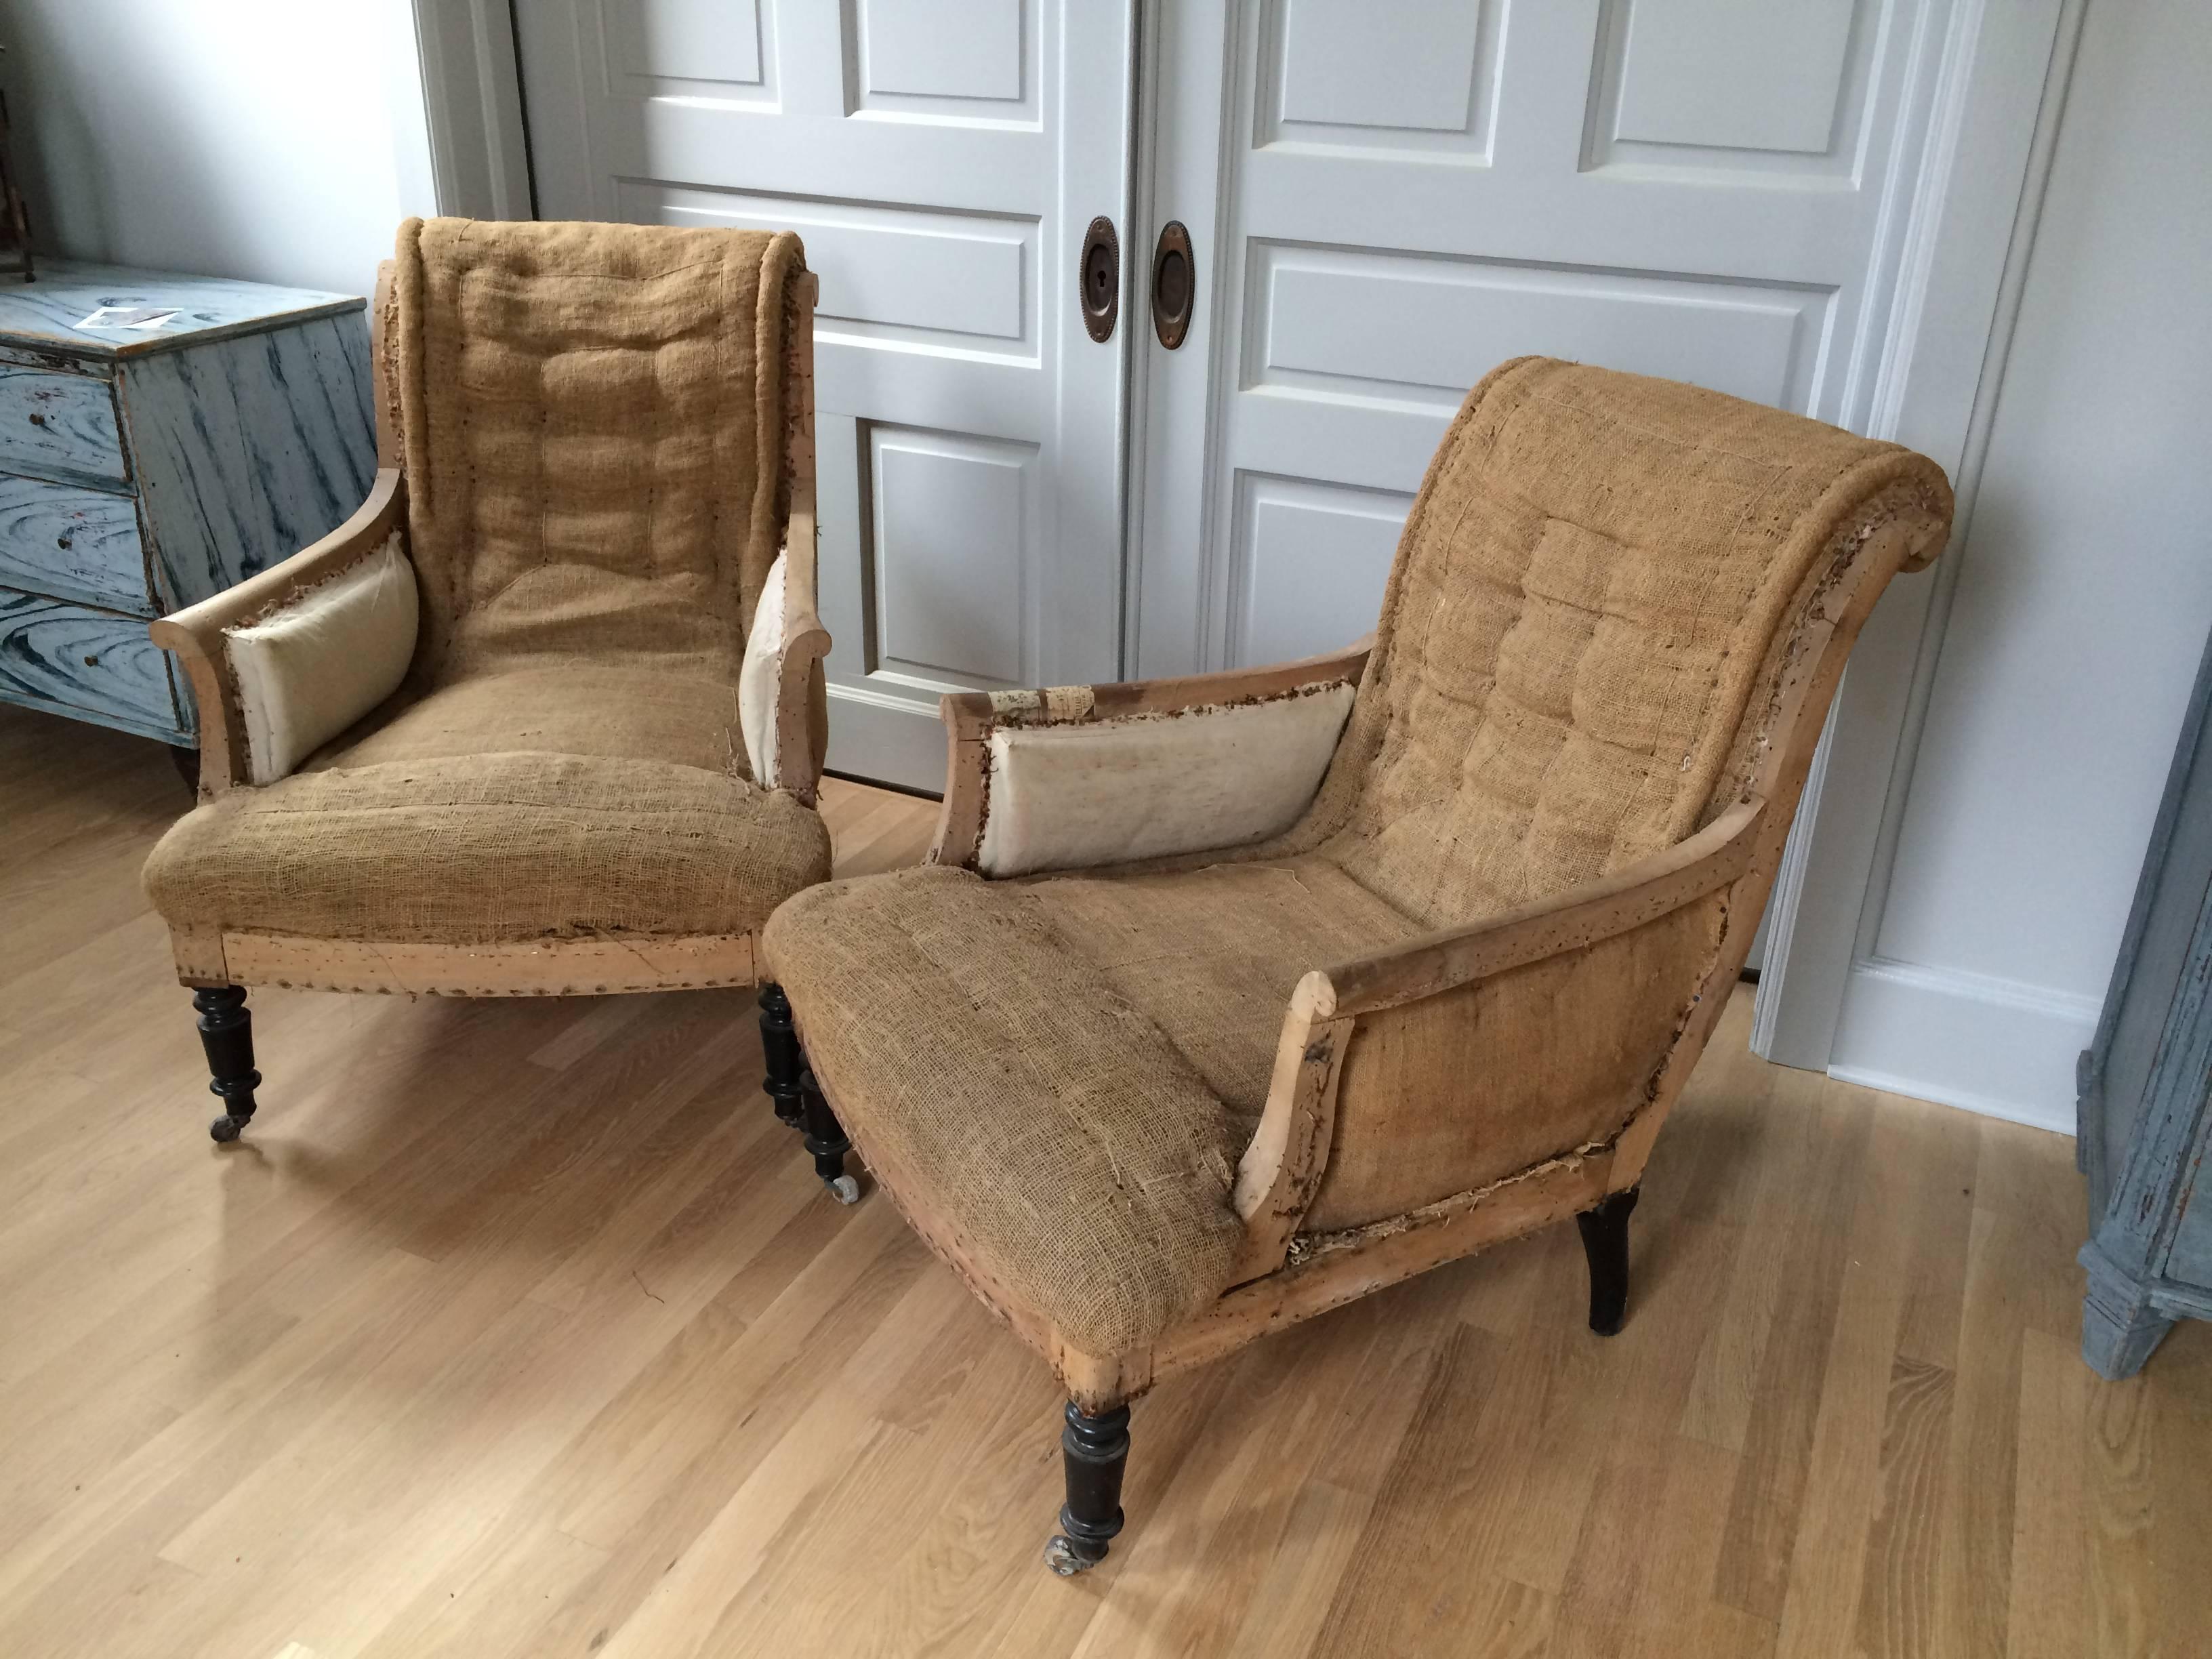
<point>1229,1000</point>
<point>544,716</point>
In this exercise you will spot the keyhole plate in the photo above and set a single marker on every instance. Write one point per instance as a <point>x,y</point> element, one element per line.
<point>1098,280</point>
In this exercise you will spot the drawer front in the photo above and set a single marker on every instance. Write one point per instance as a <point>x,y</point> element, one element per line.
<point>74,543</point>
<point>59,426</point>
<point>78,660</point>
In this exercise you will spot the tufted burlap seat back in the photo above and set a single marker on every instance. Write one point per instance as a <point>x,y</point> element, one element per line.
<point>1596,593</point>
<point>594,419</point>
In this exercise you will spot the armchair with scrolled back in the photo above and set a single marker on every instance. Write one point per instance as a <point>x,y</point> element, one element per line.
<point>1228,999</point>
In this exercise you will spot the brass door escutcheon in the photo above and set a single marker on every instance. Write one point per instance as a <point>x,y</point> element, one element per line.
<point>1099,279</point>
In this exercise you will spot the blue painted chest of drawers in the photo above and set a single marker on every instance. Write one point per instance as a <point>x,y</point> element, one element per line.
<point>2146,1083</point>
<point>145,468</point>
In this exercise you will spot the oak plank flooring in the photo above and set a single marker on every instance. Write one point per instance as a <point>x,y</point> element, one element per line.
<point>520,1329</point>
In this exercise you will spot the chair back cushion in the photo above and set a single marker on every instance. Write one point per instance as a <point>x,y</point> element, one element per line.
<point>1594,600</point>
<point>592,421</point>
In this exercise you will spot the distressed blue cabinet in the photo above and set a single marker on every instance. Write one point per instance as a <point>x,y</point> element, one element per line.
<point>146,468</point>
<point>2145,1082</point>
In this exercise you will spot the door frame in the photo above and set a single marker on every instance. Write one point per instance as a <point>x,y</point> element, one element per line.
<point>1999,80</point>
<point>2000,89</point>
<point>473,105</point>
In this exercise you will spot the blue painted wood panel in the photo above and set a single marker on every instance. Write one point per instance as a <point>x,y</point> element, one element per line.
<point>32,356</point>
<point>73,542</point>
<point>60,427</point>
<point>46,313</point>
<point>2191,1262</point>
<point>144,470</point>
<point>249,449</point>
<point>91,665</point>
<point>2146,1099</point>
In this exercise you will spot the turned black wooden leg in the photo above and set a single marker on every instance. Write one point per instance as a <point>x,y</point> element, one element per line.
<point>1605,1242</point>
<point>825,1139</point>
<point>1094,1451</point>
<point>226,1034</point>
<point>780,1041</point>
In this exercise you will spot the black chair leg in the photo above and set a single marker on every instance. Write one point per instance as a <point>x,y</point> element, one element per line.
<point>1094,1450</point>
<point>226,1034</point>
<point>1605,1244</point>
<point>780,1043</point>
<point>825,1139</point>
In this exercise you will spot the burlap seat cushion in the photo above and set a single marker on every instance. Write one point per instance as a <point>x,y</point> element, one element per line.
<point>510,806</point>
<point>1051,1128</point>
<point>1211,955</point>
<point>480,849</point>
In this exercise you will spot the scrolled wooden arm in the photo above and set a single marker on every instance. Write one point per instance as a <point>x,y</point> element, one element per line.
<point>1282,1167</point>
<point>196,633</point>
<point>1581,916</point>
<point>972,718</point>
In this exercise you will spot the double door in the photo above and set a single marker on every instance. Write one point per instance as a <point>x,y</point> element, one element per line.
<point>1035,469</point>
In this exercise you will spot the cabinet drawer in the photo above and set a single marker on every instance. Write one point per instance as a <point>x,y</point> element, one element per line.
<point>78,660</point>
<point>73,542</point>
<point>59,426</point>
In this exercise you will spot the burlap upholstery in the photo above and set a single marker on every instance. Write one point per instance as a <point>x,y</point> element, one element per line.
<point>1594,587</point>
<point>1077,1152</point>
<point>1211,954</point>
<point>1598,590</point>
<point>592,421</point>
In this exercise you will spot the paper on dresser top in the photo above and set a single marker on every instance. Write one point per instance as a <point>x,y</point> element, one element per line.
<point>52,312</point>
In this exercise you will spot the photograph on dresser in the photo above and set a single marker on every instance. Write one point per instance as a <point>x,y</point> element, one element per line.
<point>1171,829</point>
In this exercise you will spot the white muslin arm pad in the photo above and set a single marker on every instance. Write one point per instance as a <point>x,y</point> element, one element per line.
<point>760,681</point>
<point>1075,796</point>
<point>311,669</point>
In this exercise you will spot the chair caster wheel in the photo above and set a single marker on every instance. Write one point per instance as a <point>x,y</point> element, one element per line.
<point>1062,1555</point>
<point>845,1189</point>
<point>226,1128</point>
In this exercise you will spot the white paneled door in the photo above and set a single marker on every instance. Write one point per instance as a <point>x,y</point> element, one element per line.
<point>942,160</point>
<point>1387,197</point>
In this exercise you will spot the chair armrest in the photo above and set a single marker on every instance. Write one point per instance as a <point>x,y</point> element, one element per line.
<point>781,697</point>
<point>198,634</point>
<point>1572,921</point>
<point>1395,1001</point>
<point>1075,777</point>
<point>802,723</point>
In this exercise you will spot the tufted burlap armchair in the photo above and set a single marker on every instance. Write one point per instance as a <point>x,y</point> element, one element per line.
<point>546,716</point>
<point>1228,999</point>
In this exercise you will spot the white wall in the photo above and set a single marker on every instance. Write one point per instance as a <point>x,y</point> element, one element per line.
<point>2083,603</point>
<point>266,139</point>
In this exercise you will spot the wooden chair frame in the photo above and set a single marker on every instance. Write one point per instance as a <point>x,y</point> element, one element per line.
<point>218,961</point>
<point>1286,1274</point>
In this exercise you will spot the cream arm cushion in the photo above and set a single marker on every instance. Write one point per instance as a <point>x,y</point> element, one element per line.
<point>1078,795</point>
<point>760,680</point>
<point>309,671</point>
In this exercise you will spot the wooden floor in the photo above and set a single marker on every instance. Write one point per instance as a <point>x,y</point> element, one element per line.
<point>521,1328</point>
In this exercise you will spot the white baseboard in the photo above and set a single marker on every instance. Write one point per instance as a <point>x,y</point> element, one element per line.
<point>1994,1046</point>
